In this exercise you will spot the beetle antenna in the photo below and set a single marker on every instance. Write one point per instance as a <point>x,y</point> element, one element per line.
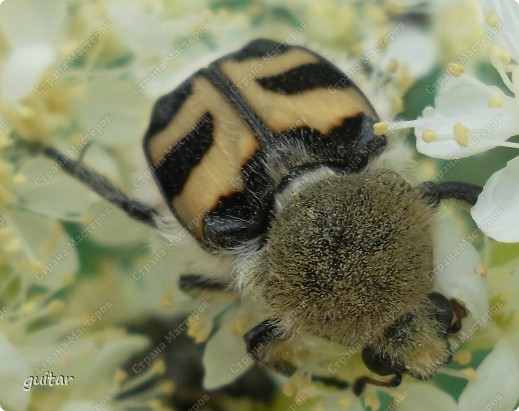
<point>96,182</point>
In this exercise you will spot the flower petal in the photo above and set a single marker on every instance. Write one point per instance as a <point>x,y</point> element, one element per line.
<point>508,13</point>
<point>463,104</point>
<point>497,210</point>
<point>111,112</point>
<point>495,384</point>
<point>410,42</point>
<point>42,21</point>
<point>45,183</point>
<point>419,393</point>
<point>45,244</point>
<point>156,278</point>
<point>115,230</point>
<point>13,373</point>
<point>141,30</point>
<point>455,260</point>
<point>23,69</point>
<point>106,359</point>
<point>33,43</point>
<point>225,358</point>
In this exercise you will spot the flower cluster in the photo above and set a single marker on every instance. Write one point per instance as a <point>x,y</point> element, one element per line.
<point>470,117</point>
<point>78,278</point>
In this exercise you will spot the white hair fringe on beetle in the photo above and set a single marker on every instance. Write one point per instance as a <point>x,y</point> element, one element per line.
<point>268,156</point>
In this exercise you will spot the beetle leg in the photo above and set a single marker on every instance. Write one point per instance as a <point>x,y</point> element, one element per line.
<point>257,342</point>
<point>465,192</point>
<point>331,381</point>
<point>459,313</point>
<point>361,382</point>
<point>194,284</point>
<point>258,339</point>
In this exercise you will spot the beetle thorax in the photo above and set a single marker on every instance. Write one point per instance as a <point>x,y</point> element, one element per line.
<point>348,255</point>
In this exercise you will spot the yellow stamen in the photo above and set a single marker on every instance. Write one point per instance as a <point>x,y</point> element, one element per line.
<point>505,58</point>
<point>290,388</point>
<point>56,306</point>
<point>492,19</point>
<point>6,233</point>
<point>13,246</point>
<point>376,13</point>
<point>320,407</point>
<point>223,12</point>
<point>372,401</point>
<point>500,54</point>
<point>197,329</point>
<point>120,376</point>
<point>381,128</point>
<point>397,104</point>
<point>393,7</point>
<point>462,357</point>
<point>296,385</point>
<point>159,367</point>
<point>345,401</point>
<point>154,405</point>
<point>167,387</point>
<point>466,374</point>
<point>166,303</point>
<point>405,80</point>
<point>455,69</point>
<point>392,66</point>
<point>69,279</point>
<point>461,134</point>
<point>255,9</point>
<point>496,100</point>
<point>5,141</point>
<point>481,270</point>
<point>429,136</point>
<point>469,373</point>
<point>19,178</point>
<point>241,325</point>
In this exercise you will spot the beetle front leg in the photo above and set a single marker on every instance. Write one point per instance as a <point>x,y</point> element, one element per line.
<point>194,284</point>
<point>466,192</point>
<point>258,340</point>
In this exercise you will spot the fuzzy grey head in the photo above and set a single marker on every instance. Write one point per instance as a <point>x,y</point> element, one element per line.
<point>348,255</point>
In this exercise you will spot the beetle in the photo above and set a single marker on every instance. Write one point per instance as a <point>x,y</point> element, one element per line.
<point>268,156</point>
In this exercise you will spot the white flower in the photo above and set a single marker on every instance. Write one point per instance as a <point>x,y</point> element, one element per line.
<point>495,384</point>
<point>32,30</point>
<point>507,13</point>
<point>15,369</point>
<point>471,117</point>
<point>456,259</point>
<point>409,42</point>
<point>225,358</point>
<point>101,84</point>
<point>36,338</point>
<point>497,209</point>
<point>19,315</point>
<point>417,394</point>
<point>462,123</point>
<point>35,249</point>
<point>503,282</point>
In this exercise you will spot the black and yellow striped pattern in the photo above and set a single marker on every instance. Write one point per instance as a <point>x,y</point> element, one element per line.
<point>207,138</point>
